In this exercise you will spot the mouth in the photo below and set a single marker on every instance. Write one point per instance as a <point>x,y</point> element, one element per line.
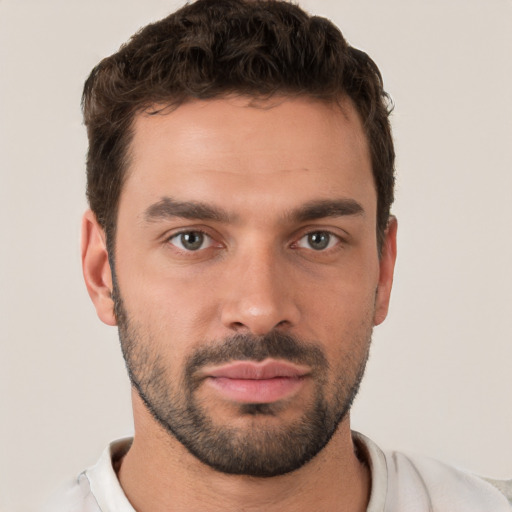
<point>252,382</point>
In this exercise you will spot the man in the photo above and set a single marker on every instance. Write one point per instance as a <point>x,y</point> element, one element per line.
<point>240,179</point>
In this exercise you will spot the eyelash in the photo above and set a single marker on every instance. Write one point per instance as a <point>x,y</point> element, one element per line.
<point>190,231</point>
<point>332,237</point>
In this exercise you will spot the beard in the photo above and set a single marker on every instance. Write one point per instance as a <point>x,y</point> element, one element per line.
<point>258,448</point>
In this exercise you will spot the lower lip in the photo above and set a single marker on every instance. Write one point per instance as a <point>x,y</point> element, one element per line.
<point>256,391</point>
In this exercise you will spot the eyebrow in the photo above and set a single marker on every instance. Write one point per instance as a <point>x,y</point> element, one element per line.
<point>327,208</point>
<point>168,208</point>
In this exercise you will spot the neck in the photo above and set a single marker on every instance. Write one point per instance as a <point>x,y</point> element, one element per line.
<point>158,474</point>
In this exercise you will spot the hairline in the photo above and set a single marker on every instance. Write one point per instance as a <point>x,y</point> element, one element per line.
<point>256,100</point>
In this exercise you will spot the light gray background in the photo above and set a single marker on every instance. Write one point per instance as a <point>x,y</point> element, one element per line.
<point>439,379</point>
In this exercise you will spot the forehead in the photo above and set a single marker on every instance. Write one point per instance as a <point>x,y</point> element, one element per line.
<point>229,149</point>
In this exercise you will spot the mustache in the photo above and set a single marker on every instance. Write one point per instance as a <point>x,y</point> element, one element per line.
<point>247,347</point>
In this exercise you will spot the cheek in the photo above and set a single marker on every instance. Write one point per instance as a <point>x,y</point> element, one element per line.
<point>341,319</point>
<point>343,297</point>
<point>175,313</point>
<point>344,320</point>
<point>154,287</point>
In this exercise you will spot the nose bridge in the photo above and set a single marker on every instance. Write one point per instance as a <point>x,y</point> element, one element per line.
<point>260,297</point>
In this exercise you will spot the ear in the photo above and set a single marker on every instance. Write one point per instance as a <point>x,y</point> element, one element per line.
<point>386,271</point>
<point>96,268</point>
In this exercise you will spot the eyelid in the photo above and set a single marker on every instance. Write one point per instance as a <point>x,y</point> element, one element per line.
<point>336,239</point>
<point>209,239</point>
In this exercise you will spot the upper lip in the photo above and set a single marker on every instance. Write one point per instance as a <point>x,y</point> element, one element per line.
<point>267,369</point>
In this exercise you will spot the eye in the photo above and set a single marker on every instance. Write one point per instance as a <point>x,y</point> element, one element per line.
<point>318,241</point>
<point>191,240</point>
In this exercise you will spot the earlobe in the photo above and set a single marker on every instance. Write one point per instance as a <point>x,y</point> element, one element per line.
<point>386,271</point>
<point>96,268</point>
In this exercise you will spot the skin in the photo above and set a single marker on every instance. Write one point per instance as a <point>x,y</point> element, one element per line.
<point>256,273</point>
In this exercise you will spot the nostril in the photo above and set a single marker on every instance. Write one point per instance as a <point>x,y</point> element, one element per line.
<point>258,329</point>
<point>259,313</point>
<point>238,325</point>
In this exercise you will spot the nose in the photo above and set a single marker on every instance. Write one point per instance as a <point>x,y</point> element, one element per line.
<point>260,295</point>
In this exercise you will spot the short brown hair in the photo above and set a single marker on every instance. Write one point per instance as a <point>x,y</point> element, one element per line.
<point>212,48</point>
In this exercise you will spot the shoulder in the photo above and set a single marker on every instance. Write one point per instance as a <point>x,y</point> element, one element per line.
<point>443,487</point>
<point>402,482</point>
<point>74,496</point>
<point>96,489</point>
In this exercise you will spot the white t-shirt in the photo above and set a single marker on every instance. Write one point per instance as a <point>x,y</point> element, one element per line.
<point>400,483</point>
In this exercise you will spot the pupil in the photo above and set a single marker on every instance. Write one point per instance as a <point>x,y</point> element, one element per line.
<point>192,240</point>
<point>318,241</point>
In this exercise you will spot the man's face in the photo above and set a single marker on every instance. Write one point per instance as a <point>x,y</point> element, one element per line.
<point>247,276</point>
